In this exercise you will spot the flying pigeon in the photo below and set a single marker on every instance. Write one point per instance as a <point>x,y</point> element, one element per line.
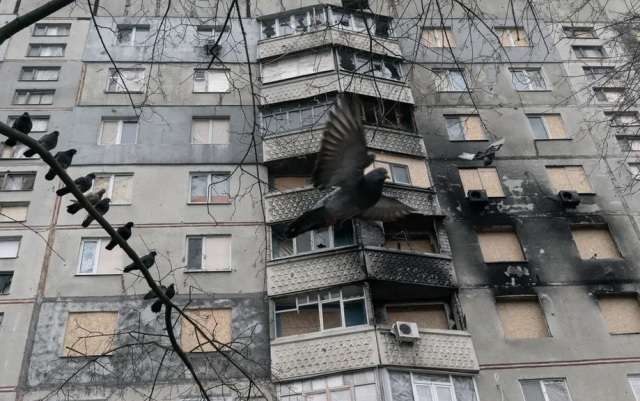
<point>341,162</point>
<point>64,159</point>
<point>93,198</point>
<point>487,155</point>
<point>22,124</point>
<point>147,260</point>
<point>157,305</point>
<point>124,232</point>
<point>83,184</point>
<point>48,141</point>
<point>102,207</point>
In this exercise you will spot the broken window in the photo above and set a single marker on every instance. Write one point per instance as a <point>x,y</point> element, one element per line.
<point>125,79</point>
<point>465,128</point>
<point>438,37</point>
<point>451,80</point>
<point>512,37</point>
<point>485,178</point>
<point>624,119</point>
<point>359,386</point>
<point>595,243</point>
<point>5,282</point>
<point>427,316</point>
<point>297,65</point>
<point>295,116</point>
<point>621,313</point>
<point>319,311</point>
<point>215,323</point>
<point>209,252</point>
<point>579,32</point>
<point>589,51</point>
<point>94,259</point>
<point>547,126</point>
<point>500,245</point>
<point>599,73</point>
<point>522,318</point>
<point>366,63</point>
<point>414,234</point>
<point>288,183</point>
<point>609,95</point>
<point>545,390</point>
<point>118,187</point>
<point>300,22</point>
<point>310,241</point>
<point>569,178</point>
<point>384,113</point>
<point>90,333</point>
<point>528,79</point>
<point>132,35</point>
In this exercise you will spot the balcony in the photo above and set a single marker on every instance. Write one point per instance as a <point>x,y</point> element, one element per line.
<point>283,146</point>
<point>283,206</point>
<point>312,271</point>
<point>329,82</point>
<point>410,267</point>
<point>330,36</point>
<point>322,354</point>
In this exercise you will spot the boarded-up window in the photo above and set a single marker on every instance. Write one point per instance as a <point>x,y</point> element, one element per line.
<point>118,187</point>
<point>426,316</point>
<point>10,213</point>
<point>90,333</point>
<point>403,170</point>
<point>595,243</point>
<point>621,313</point>
<point>512,37</point>
<point>481,178</point>
<point>288,183</point>
<point>216,323</point>
<point>569,178</point>
<point>438,37</point>
<point>547,126</point>
<point>500,246</point>
<point>522,318</point>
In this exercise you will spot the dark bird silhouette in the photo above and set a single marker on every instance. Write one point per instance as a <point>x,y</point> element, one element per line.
<point>83,183</point>
<point>93,198</point>
<point>157,305</point>
<point>22,124</point>
<point>486,155</point>
<point>48,141</point>
<point>341,162</point>
<point>63,158</point>
<point>102,207</point>
<point>147,260</point>
<point>124,232</point>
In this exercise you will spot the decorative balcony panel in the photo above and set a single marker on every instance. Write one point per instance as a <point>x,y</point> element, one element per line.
<point>314,271</point>
<point>288,205</point>
<point>293,43</point>
<point>308,142</point>
<point>408,267</point>
<point>436,349</point>
<point>323,355</point>
<point>314,85</point>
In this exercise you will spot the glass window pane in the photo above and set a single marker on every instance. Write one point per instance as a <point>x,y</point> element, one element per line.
<point>220,187</point>
<point>321,239</point>
<point>532,390</point>
<point>423,392</point>
<point>341,395</point>
<point>109,134</point>
<point>217,81</point>
<point>9,248</point>
<point>200,131</point>
<point>366,393</point>
<point>304,320</point>
<point>40,124</point>
<point>354,313</point>
<point>352,291</point>
<point>281,246</point>
<point>5,285</point>
<point>520,80</point>
<point>19,182</point>
<point>102,182</point>
<point>220,132</point>
<point>331,316</point>
<point>444,393</point>
<point>400,174</point>
<point>464,388</point>
<point>194,257</point>
<point>125,35</point>
<point>456,80</point>
<point>343,234</point>
<point>88,257</point>
<point>455,129</point>
<point>122,188</point>
<point>268,28</point>
<point>556,390</point>
<point>303,242</point>
<point>129,133</point>
<point>199,188</point>
<point>538,128</point>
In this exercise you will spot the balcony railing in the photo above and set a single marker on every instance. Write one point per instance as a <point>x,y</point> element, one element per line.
<point>329,82</point>
<point>330,36</point>
<point>321,354</point>
<point>312,271</point>
<point>282,206</point>
<point>410,267</point>
<point>277,147</point>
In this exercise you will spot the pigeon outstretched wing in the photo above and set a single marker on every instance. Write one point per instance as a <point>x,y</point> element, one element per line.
<point>387,209</point>
<point>343,151</point>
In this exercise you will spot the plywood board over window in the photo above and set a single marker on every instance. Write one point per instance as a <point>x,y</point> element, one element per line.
<point>621,313</point>
<point>481,179</point>
<point>432,316</point>
<point>215,322</point>
<point>569,178</point>
<point>418,173</point>
<point>522,318</point>
<point>595,243</point>
<point>500,246</point>
<point>90,333</point>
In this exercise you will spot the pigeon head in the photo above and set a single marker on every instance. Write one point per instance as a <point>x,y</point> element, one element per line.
<point>107,200</point>
<point>129,224</point>
<point>72,151</point>
<point>25,114</point>
<point>55,134</point>
<point>91,176</point>
<point>153,253</point>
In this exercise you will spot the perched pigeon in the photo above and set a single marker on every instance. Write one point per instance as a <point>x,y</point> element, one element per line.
<point>157,305</point>
<point>341,162</point>
<point>22,124</point>
<point>124,232</point>
<point>147,260</point>
<point>102,207</point>
<point>48,141</point>
<point>64,159</point>
<point>83,184</point>
<point>93,198</point>
<point>487,155</point>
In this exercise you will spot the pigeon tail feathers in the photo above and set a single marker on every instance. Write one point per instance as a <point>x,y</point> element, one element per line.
<point>309,220</point>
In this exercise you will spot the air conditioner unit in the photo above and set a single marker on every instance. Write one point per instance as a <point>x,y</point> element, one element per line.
<point>405,331</point>
<point>569,199</point>
<point>478,197</point>
<point>210,47</point>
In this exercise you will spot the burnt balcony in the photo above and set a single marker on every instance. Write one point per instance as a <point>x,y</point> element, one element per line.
<point>327,37</point>
<point>283,206</point>
<point>283,146</point>
<point>410,267</point>
<point>333,81</point>
<point>321,354</point>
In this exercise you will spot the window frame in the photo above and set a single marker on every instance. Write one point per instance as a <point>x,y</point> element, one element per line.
<point>590,71</point>
<point>109,191</point>
<point>133,42</point>
<point>449,81</point>
<point>501,229</point>
<point>432,385</point>
<point>211,120</point>
<point>226,71</point>
<point>6,290</point>
<point>17,239</point>
<point>526,71</point>
<point>332,243</point>
<point>310,13</point>
<point>447,41</point>
<point>564,167</point>
<point>392,178</point>
<point>604,89</point>
<point>614,115</point>
<point>39,46</point>
<point>121,122</point>
<point>445,306</point>
<point>50,24</point>
<point>501,30</point>
<point>546,127</point>
<point>114,77</point>
<point>203,266</point>
<point>28,93</point>
<point>579,51</point>
<point>365,64</point>
<point>484,188</point>
<point>604,227</point>
<point>634,377</point>
<point>543,388</point>
<point>34,69</point>
<point>94,270</point>
<point>12,117</point>
<point>209,174</point>
<point>14,204</point>
<point>569,32</point>
<point>5,174</point>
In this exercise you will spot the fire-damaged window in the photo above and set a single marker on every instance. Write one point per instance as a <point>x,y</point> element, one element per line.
<point>310,241</point>
<point>522,318</point>
<point>298,65</point>
<point>426,315</point>
<point>500,245</point>
<point>621,313</point>
<point>320,311</point>
<point>296,116</point>
<point>418,386</point>
<point>594,242</point>
<point>366,63</point>
<point>402,170</point>
<point>385,113</point>
<point>415,234</point>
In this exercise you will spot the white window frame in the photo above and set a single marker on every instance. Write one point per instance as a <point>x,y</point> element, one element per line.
<point>16,239</point>
<point>529,85</point>
<point>543,388</point>
<point>120,80</point>
<point>3,178</point>
<point>634,378</point>
<point>290,17</point>
<point>100,248</point>
<point>203,254</point>
<point>604,72</point>
<point>109,192</point>
<point>39,46</point>
<point>48,25</point>
<point>211,120</point>
<point>34,70</point>
<point>209,174</point>
<point>28,93</point>
<point>569,32</point>
<point>546,127</point>
<point>206,78</point>
<point>134,33</point>
<point>603,91</point>
<point>34,118</point>
<point>444,77</point>
<point>332,244</point>
<point>580,52</point>
<point>14,204</point>
<point>121,123</point>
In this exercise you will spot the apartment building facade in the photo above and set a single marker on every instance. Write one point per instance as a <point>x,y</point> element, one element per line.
<point>496,288</point>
